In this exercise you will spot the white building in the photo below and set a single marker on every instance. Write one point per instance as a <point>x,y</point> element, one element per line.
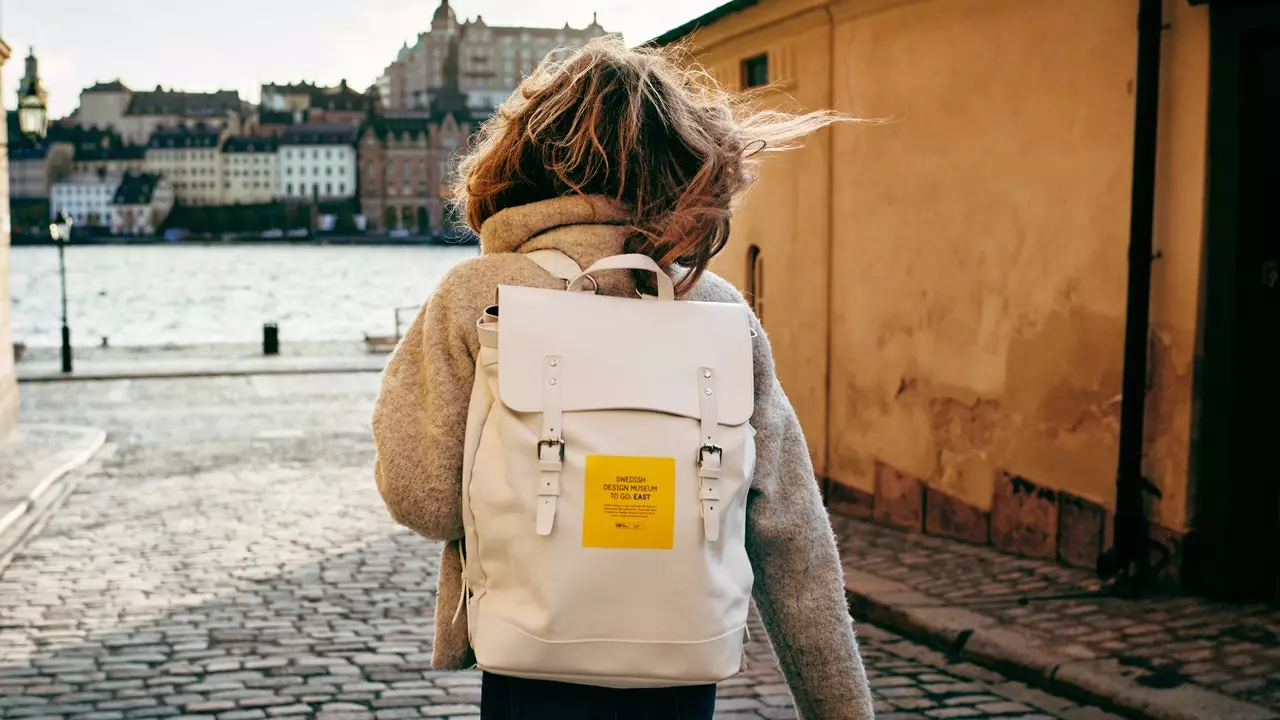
<point>250,170</point>
<point>86,198</point>
<point>318,162</point>
<point>141,204</point>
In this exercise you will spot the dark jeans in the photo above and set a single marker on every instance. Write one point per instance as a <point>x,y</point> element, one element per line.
<point>505,698</point>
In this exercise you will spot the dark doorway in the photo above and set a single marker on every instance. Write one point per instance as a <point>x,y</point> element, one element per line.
<point>1237,519</point>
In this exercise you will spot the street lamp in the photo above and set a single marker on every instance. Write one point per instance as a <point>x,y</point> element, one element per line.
<point>60,231</point>
<point>33,117</point>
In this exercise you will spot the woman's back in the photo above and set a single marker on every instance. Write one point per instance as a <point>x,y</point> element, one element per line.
<point>551,173</point>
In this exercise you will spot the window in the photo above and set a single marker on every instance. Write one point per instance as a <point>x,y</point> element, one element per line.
<point>328,171</point>
<point>328,188</point>
<point>288,171</point>
<point>342,188</point>
<point>755,71</point>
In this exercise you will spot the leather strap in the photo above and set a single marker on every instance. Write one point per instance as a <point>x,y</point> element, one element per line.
<point>633,261</point>
<point>710,455</point>
<point>462,597</point>
<point>556,263</point>
<point>487,327</point>
<point>551,447</point>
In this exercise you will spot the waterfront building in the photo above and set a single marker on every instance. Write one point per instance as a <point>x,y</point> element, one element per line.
<point>318,162</point>
<point>85,198</point>
<point>492,60</point>
<point>190,157</point>
<point>140,204</point>
<point>250,170</point>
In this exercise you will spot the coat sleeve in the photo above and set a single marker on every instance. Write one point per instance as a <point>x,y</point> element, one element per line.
<point>799,582</point>
<point>420,418</point>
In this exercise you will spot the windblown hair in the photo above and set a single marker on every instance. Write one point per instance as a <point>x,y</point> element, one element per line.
<point>643,126</point>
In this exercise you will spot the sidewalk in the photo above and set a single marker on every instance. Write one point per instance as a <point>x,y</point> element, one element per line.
<point>32,463</point>
<point>50,370</point>
<point>43,364</point>
<point>1169,658</point>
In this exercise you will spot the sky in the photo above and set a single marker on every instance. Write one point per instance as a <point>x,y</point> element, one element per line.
<point>240,44</point>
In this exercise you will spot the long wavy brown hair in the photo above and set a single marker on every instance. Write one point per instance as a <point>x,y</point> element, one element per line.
<point>644,126</point>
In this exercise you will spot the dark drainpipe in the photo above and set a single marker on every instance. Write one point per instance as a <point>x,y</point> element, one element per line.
<point>1129,559</point>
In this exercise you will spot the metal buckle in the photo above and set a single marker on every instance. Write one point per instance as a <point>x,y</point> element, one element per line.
<point>709,450</point>
<point>550,443</point>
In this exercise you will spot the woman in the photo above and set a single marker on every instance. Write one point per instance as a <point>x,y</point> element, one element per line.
<point>603,151</point>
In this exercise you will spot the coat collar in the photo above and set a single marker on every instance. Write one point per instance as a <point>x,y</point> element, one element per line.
<point>584,227</point>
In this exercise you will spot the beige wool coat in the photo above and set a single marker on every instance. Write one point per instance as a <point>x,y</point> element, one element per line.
<point>420,419</point>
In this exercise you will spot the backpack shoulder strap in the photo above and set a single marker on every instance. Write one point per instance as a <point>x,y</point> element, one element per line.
<point>556,263</point>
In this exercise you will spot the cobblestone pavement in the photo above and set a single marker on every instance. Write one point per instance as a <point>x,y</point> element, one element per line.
<point>227,555</point>
<point>1231,649</point>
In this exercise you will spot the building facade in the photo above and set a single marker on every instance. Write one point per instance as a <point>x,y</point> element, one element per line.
<point>191,159</point>
<point>141,203</point>
<point>492,60</point>
<point>85,198</point>
<point>112,160</point>
<point>947,292</point>
<point>103,105</point>
<point>318,162</point>
<point>135,115</point>
<point>250,170</point>
<point>8,376</point>
<point>305,103</point>
<point>35,167</point>
<point>405,166</point>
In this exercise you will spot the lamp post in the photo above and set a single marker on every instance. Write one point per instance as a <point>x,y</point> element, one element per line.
<point>33,115</point>
<point>60,231</point>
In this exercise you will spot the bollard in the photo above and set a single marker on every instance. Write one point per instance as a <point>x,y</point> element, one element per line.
<point>270,339</point>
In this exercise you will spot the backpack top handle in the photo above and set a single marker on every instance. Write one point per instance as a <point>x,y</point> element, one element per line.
<point>634,261</point>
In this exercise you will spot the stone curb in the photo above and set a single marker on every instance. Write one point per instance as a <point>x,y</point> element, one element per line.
<point>981,639</point>
<point>40,377</point>
<point>24,507</point>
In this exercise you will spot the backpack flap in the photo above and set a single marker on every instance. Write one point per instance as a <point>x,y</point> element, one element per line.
<point>622,353</point>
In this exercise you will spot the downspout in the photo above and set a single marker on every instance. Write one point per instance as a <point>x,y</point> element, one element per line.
<point>831,248</point>
<point>1129,559</point>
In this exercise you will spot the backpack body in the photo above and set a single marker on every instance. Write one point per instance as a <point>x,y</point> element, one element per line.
<point>604,485</point>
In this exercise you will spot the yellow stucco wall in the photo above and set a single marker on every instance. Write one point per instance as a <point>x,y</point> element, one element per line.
<point>976,245</point>
<point>787,215</point>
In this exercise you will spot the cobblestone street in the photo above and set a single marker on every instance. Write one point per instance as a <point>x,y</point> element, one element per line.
<point>227,554</point>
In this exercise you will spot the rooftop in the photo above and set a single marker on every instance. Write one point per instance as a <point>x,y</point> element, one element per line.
<point>124,152</point>
<point>185,137</point>
<point>104,87</point>
<point>95,179</point>
<point>136,189</point>
<point>173,102</point>
<point>320,134</point>
<point>681,32</point>
<point>250,144</point>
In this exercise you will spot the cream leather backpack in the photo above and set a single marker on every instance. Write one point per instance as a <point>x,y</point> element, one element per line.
<point>604,485</point>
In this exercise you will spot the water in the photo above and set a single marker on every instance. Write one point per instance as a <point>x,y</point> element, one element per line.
<point>161,294</point>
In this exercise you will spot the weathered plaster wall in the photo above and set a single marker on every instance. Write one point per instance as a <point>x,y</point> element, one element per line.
<point>978,241</point>
<point>982,241</point>
<point>787,215</point>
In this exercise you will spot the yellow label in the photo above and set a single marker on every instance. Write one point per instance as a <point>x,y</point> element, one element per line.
<point>630,503</point>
